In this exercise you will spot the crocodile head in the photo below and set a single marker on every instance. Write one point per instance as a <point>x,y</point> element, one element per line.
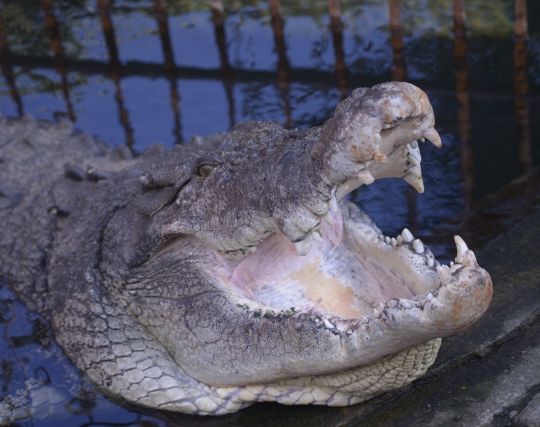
<point>247,264</point>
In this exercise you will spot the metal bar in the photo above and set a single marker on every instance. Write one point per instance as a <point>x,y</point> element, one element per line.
<point>7,68</point>
<point>336,28</point>
<point>51,24</point>
<point>218,18</point>
<point>521,85</point>
<point>283,75</point>
<point>399,69</point>
<point>115,70</point>
<point>461,71</point>
<point>168,55</point>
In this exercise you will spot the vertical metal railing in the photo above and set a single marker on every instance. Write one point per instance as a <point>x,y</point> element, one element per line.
<point>218,19</point>
<point>336,28</point>
<point>115,67</point>
<point>169,66</point>
<point>461,72</point>
<point>7,68</point>
<point>51,24</point>
<point>521,86</point>
<point>283,66</point>
<point>399,69</point>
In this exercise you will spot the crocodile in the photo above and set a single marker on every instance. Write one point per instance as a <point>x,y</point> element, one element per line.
<point>233,269</point>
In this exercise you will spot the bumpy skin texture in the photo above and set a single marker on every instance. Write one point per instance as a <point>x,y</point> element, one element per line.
<point>114,251</point>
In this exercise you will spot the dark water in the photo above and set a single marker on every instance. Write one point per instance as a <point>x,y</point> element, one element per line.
<point>139,74</point>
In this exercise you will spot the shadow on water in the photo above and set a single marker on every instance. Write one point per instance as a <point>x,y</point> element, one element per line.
<point>161,71</point>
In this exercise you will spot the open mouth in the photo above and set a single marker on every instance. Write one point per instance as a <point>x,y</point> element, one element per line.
<point>345,274</point>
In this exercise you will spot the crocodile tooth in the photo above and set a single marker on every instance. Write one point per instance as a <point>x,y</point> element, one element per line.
<point>418,246</point>
<point>399,239</point>
<point>461,247</point>
<point>387,239</point>
<point>302,247</point>
<point>470,258</point>
<point>430,262</point>
<point>429,296</point>
<point>393,241</point>
<point>413,153</point>
<point>328,324</point>
<point>432,136</point>
<point>444,273</point>
<point>407,235</point>
<point>415,182</point>
<point>422,139</point>
<point>405,303</point>
<point>451,263</point>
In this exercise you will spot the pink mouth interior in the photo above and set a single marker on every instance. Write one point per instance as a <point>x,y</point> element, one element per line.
<point>339,275</point>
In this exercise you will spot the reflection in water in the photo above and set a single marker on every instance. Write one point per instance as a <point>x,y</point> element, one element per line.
<point>169,66</point>
<point>521,86</point>
<point>283,61</point>
<point>58,50</point>
<point>218,18</point>
<point>115,68</point>
<point>336,28</point>
<point>7,68</point>
<point>399,70</point>
<point>461,72</point>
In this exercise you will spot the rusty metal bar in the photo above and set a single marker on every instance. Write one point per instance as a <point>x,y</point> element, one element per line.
<point>461,71</point>
<point>521,85</point>
<point>51,24</point>
<point>336,28</point>
<point>168,55</point>
<point>399,69</point>
<point>283,75</point>
<point>115,67</point>
<point>7,68</point>
<point>218,18</point>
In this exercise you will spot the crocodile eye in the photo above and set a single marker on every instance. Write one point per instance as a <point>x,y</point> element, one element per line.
<point>204,170</point>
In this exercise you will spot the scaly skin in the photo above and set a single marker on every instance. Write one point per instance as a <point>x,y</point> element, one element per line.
<point>148,267</point>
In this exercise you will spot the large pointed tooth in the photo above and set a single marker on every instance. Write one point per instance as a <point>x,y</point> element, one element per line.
<point>433,136</point>
<point>407,235</point>
<point>418,246</point>
<point>461,248</point>
<point>415,182</point>
<point>470,258</point>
